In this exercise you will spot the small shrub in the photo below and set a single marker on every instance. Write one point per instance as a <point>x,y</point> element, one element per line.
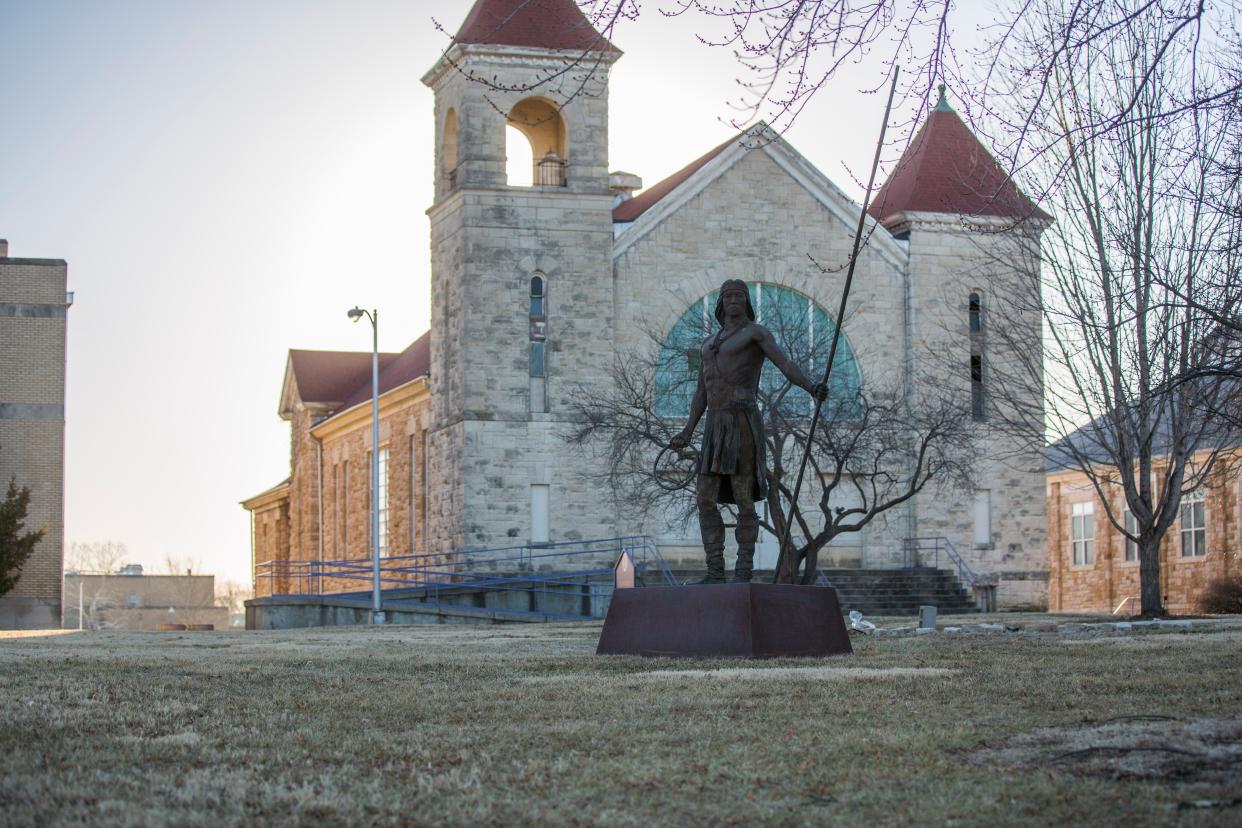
<point>1223,595</point>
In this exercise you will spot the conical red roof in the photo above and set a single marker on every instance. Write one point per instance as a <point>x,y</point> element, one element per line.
<point>543,24</point>
<point>946,170</point>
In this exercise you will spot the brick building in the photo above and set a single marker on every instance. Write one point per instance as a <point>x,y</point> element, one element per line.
<point>33,318</point>
<point>1093,567</point>
<point>131,600</point>
<point>538,287</point>
<point>322,511</point>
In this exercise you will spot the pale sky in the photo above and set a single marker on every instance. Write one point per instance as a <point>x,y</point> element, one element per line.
<point>227,178</point>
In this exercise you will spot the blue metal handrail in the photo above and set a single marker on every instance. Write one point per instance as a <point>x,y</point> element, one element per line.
<point>916,547</point>
<point>545,567</point>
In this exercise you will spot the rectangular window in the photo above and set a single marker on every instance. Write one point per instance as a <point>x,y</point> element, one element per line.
<point>422,482</point>
<point>366,487</point>
<point>540,506</point>
<point>413,491</point>
<point>1082,533</point>
<point>983,518</point>
<point>336,509</point>
<point>1132,528</point>
<point>344,507</point>
<point>382,500</point>
<point>1194,525</point>
<point>537,368</point>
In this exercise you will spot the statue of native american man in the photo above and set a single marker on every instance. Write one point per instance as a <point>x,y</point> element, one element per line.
<point>731,464</point>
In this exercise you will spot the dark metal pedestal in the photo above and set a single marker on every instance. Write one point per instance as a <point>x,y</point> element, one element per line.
<point>738,620</point>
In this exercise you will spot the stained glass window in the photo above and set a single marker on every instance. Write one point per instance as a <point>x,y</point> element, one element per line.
<point>802,329</point>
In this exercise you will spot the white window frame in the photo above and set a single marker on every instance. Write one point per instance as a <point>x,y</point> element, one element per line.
<point>1082,533</point>
<point>383,499</point>
<point>1194,536</point>
<point>540,513</point>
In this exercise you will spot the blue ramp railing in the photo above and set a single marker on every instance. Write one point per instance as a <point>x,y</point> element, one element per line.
<point>569,579</point>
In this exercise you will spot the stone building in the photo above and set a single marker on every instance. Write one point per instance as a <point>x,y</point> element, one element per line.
<point>537,289</point>
<point>1093,567</point>
<point>33,319</point>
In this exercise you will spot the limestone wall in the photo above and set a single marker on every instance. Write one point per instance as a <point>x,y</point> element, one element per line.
<point>951,257</point>
<point>487,443</point>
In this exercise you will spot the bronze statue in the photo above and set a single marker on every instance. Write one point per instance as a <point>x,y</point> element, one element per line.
<point>731,466</point>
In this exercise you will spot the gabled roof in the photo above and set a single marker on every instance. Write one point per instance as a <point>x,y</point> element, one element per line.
<point>1097,441</point>
<point>541,24</point>
<point>947,170</point>
<point>329,377</point>
<point>412,363</point>
<point>661,201</point>
<point>337,380</point>
<point>277,493</point>
<point>632,208</point>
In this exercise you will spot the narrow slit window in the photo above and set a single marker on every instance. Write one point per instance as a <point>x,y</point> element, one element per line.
<point>974,313</point>
<point>976,386</point>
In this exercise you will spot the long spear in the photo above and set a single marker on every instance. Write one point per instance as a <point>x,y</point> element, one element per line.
<point>808,574</point>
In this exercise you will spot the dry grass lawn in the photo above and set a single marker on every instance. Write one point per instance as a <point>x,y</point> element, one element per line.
<point>525,725</point>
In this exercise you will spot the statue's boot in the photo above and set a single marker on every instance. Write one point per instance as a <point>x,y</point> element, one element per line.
<point>747,533</point>
<point>712,526</point>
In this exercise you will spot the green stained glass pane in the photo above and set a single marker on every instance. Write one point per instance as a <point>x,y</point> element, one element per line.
<point>802,329</point>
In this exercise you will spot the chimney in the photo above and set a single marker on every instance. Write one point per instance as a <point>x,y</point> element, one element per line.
<point>623,185</point>
<point>4,248</point>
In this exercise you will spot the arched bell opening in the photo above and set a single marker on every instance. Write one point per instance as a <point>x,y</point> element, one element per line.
<point>448,151</point>
<point>540,122</point>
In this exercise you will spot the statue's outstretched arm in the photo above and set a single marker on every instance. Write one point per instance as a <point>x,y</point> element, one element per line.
<point>782,361</point>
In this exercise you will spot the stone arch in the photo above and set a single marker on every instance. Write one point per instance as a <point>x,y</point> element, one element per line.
<point>448,150</point>
<point>542,123</point>
<point>803,329</point>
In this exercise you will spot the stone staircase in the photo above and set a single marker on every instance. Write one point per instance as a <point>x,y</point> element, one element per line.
<point>883,591</point>
<point>899,591</point>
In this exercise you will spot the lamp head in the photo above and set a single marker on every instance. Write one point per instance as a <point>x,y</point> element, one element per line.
<point>355,313</point>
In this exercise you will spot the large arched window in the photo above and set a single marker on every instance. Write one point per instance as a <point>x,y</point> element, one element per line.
<point>803,329</point>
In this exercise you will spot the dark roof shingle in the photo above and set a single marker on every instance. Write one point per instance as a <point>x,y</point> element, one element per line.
<point>631,209</point>
<point>947,170</point>
<point>412,363</point>
<point>542,24</point>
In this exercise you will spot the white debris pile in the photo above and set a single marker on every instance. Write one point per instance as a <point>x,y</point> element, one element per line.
<point>857,622</point>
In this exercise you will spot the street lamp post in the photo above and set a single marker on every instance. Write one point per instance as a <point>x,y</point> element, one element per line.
<point>377,612</point>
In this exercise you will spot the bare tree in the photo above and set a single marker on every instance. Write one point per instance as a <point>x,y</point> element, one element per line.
<point>95,597</point>
<point>233,594</point>
<point>1128,266</point>
<point>98,557</point>
<point>875,448</point>
<point>790,50</point>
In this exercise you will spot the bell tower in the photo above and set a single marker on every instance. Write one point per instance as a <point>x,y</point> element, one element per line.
<point>521,290</point>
